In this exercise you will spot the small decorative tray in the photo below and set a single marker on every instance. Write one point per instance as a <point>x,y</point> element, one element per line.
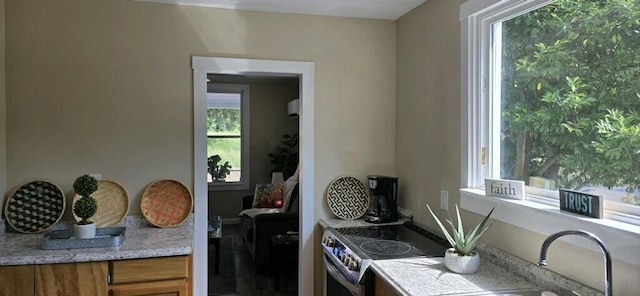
<point>64,239</point>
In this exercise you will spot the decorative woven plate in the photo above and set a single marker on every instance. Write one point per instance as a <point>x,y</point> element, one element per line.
<point>34,206</point>
<point>113,204</point>
<point>348,198</point>
<point>166,203</point>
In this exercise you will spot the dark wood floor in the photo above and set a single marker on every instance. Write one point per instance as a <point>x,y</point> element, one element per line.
<point>248,282</point>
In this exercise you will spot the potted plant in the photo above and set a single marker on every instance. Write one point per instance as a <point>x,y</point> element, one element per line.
<point>218,172</point>
<point>461,258</point>
<point>85,207</point>
<point>285,157</point>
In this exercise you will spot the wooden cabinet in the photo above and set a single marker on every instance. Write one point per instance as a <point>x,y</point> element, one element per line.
<point>16,280</point>
<point>158,288</point>
<point>382,288</point>
<point>162,276</point>
<point>84,278</point>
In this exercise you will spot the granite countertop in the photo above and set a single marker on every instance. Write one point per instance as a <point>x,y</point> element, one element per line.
<point>428,276</point>
<point>141,241</point>
<point>498,271</point>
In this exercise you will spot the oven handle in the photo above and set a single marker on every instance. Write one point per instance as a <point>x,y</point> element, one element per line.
<point>336,274</point>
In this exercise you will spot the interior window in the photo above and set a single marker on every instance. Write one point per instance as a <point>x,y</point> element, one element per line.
<point>227,134</point>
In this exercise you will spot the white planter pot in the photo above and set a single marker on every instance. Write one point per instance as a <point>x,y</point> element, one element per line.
<point>461,264</point>
<point>84,231</point>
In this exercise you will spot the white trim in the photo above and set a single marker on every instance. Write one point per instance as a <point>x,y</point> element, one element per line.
<point>622,239</point>
<point>305,70</point>
<point>245,140</point>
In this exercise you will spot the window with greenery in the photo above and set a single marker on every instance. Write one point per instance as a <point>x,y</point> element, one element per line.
<point>227,124</point>
<point>562,102</point>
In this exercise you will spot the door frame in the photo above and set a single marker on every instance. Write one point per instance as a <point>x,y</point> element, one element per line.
<point>217,65</point>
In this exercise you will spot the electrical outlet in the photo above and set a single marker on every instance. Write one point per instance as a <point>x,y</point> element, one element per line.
<point>444,200</point>
<point>96,176</point>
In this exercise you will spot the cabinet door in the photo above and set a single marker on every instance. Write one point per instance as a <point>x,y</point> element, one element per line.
<point>383,288</point>
<point>159,288</point>
<point>16,280</point>
<point>84,278</point>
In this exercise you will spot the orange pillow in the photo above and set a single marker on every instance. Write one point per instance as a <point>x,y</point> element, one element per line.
<point>268,195</point>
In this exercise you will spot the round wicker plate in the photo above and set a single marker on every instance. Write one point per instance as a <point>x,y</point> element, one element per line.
<point>113,204</point>
<point>348,198</point>
<point>34,206</point>
<point>166,203</point>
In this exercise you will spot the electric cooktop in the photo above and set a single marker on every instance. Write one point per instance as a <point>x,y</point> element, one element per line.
<point>392,241</point>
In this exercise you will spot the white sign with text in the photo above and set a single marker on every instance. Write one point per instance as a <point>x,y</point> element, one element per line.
<point>512,189</point>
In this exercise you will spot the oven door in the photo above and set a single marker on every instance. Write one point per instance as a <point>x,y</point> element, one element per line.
<point>339,283</point>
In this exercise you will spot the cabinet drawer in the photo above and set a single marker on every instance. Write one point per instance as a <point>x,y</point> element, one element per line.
<point>161,288</point>
<point>152,269</point>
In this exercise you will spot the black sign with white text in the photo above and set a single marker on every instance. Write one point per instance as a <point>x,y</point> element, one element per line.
<point>581,203</point>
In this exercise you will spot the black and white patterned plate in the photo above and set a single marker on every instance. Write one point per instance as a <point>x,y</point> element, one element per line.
<point>34,206</point>
<point>348,198</point>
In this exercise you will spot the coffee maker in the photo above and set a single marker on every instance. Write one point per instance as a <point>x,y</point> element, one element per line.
<point>383,206</point>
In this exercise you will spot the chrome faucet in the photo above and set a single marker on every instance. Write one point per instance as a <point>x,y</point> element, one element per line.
<point>608,284</point>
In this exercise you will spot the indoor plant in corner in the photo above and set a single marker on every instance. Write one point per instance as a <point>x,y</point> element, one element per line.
<point>461,258</point>
<point>85,207</point>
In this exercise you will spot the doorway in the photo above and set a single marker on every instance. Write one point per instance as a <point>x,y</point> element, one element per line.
<point>212,65</point>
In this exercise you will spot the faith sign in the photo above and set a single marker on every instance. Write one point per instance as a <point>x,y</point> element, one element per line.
<point>504,188</point>
<point>581,203</point>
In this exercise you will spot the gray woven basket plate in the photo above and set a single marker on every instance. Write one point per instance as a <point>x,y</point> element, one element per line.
<point>34,206</point>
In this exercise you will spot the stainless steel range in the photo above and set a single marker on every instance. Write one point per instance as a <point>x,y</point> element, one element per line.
<point>348,252</point>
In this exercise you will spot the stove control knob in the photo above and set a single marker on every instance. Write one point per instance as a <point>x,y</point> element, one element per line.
<point>343,257</point>
<point>347,262</point>
<point>353,265</point>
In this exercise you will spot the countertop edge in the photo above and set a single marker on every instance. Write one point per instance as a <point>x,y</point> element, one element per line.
<point>142,241</point>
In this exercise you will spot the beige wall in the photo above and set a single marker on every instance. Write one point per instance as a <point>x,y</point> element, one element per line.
<point>3,113</point>
<point>269,121</point>
<point>428,146</point>
<point>105,87</point>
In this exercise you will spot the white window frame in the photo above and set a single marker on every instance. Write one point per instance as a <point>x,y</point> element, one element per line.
<point>244,91</point>
<point>536,214</point>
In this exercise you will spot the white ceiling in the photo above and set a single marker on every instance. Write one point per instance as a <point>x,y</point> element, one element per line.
<point>376,9</point>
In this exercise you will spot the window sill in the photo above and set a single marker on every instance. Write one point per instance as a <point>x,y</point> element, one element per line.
<point>227,186</point>
<point>622,239</point>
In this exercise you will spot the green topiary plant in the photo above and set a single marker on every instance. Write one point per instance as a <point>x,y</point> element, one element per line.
<point>463,244</point>
<point>86,206</point>
<point>218,172</point>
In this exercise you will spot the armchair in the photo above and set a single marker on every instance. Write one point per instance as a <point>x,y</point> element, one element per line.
<point>257,230</point>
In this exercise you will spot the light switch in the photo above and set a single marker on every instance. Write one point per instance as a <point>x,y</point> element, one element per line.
<point>444,200</point>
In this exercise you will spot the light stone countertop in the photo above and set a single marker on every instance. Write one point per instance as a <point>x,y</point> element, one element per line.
<point>428,276</point>
<point>141,241</point>
<point>498,271</point>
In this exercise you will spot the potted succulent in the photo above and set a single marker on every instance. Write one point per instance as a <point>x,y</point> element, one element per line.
<point>461,258</point>
<point>218,172</point>
<point>85,207</point>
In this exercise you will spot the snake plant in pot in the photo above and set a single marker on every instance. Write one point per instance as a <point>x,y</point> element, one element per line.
<point>461,258</point>
<point>85,207</point>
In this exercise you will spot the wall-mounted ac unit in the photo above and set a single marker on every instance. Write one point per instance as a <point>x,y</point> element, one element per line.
<point>293,107</point>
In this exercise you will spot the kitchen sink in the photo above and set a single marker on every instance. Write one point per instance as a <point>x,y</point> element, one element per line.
<point>513,292</point>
